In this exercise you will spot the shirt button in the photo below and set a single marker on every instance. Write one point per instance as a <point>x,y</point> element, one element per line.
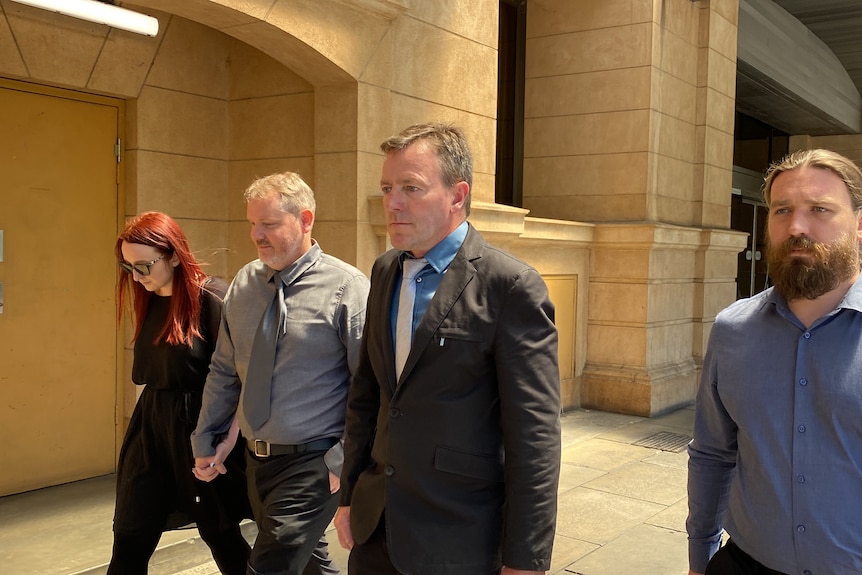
<point>801,429</point>
<point>807,335</point>
<point>800,528</point>
<point>800,479</point>
<point>803,381</point>
<point>389,471</point>
<point>419,280</point>
<point>393,413</point>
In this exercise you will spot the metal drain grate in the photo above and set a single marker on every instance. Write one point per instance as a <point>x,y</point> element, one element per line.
<point>665,441</point>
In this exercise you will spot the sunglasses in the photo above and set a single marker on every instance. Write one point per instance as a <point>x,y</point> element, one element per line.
<point>142,268</point>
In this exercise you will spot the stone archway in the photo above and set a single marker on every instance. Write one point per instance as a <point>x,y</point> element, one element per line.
<point>206,111</point>
<point>342,48</point>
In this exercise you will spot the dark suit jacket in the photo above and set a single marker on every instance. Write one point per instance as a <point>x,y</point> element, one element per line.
<point>463,455</point>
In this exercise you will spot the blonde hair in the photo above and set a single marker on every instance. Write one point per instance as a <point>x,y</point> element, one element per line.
<point>839,165</point>
<point>294,193</point>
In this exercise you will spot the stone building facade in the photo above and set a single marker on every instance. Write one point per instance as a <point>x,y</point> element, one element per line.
<point>627,142</point>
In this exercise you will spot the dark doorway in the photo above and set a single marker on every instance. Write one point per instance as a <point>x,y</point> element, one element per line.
<point>510,102</point>
<point>756,146</point>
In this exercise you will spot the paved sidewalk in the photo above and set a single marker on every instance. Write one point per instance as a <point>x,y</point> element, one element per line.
<point>622,509</point>
<point>623,506</point>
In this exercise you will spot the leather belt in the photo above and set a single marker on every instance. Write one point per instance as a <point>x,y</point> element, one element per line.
<point>261,448</point>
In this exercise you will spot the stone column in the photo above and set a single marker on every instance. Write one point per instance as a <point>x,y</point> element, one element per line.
<point>629,125</point>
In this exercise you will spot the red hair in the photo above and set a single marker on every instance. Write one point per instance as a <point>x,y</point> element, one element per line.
<point>163,233</point>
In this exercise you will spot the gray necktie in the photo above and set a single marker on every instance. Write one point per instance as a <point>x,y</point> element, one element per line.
<point>258,381</point>
<point>404,321</point>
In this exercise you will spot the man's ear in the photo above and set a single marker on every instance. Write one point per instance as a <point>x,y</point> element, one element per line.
<point>459,198</point>
<point>306,220</point>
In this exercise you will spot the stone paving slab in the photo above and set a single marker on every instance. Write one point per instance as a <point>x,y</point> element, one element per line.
<point>605,455</point>
<point>644,481</point>
<point>598,517</point>
<point>644,549</point>
<point>567,550</point>
<point>572,476</point>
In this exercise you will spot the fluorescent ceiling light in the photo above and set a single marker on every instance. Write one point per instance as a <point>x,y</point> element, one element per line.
<point>100,13</point>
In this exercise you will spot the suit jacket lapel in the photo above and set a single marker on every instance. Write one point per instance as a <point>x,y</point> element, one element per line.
<point>390,274</point>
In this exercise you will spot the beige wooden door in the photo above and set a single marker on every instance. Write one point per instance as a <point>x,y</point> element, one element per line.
<point>58,336</point>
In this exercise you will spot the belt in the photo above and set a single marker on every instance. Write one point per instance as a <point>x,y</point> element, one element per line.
<point>261,448</point>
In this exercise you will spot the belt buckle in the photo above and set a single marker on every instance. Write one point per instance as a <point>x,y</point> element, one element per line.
<point>261,448</point>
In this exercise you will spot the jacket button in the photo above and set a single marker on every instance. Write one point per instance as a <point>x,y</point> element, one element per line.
<point>394,412</point>
<point>389,471</point>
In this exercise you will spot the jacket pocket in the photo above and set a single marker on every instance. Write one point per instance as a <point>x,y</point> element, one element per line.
<point>485,467</point>
<point>458,334</point>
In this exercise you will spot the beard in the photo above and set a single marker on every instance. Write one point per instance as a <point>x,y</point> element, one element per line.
<point>820,270</point>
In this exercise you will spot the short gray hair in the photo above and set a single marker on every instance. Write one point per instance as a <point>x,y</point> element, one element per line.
<point>294,193</point>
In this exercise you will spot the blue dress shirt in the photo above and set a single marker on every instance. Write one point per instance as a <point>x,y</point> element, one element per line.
<point>776,457</point>
<point>428,280</point>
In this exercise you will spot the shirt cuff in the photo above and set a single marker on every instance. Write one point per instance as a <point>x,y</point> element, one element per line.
<point>334,458</point>
<point>202,445</point>
<point>700,551</point>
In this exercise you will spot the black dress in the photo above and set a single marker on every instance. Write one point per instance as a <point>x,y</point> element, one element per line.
<point>156,490</point>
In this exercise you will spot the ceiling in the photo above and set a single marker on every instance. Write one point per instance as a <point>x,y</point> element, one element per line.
<point>838,24</point>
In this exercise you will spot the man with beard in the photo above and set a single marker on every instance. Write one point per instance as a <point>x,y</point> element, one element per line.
<point>776,459</point>
<point>288,344</point>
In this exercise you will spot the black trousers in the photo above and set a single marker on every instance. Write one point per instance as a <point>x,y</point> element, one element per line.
<point>292,506</point>
<point>131,553</point>
<point>372,557</point>
<point>731,560</point>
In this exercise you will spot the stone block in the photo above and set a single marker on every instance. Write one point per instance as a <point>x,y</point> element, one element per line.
<point>621,47</point>
<point>192,59</point>
<point>177,123</point>
<point>253,74</point>
<point>336,187</point>
<point>182,186</point>
<point>272,127</point>
<point>588,92</point>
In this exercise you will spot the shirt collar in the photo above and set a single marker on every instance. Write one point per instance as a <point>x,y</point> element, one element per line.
<point>295,270</point>
<point>441,255</point>
<point>853,299</point>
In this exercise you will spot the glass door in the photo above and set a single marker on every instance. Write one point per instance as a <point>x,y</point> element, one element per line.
<point>749,215</point>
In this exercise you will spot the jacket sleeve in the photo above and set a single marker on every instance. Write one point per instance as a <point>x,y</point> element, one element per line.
<point>529,383</point>
<point>363,403</point>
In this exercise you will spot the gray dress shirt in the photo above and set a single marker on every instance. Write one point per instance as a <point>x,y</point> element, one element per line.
<point>325,300</point>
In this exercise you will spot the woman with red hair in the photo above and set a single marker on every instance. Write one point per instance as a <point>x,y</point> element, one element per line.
<point>176,312</point>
